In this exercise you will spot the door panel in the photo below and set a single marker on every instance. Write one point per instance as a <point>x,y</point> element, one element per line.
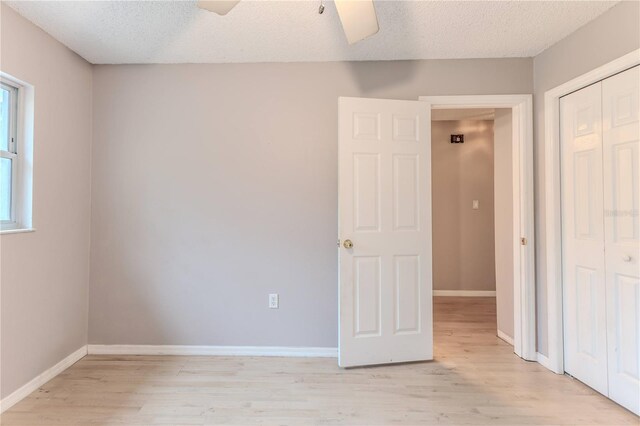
<point>385,210</point>
<point>586,296</point>
<point>407,294</point>
<point>625,296</point>
<point>621,157</point>
<point>624,167</point>
<point>406,195</point>
<point>367,295</point>
<point>585,200</point>
<point>366,195</point>
<point>585,340</point>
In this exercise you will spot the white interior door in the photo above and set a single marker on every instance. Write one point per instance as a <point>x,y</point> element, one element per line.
<point>385,213</point>
<point>621,155</point>
<point>585,339</point>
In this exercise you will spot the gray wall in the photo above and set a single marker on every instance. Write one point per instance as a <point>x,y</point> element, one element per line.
<point>503,217</point>
<point>608,37</point>
<point>45,274</point>
<point>214,185</point>
<point>463,238</point>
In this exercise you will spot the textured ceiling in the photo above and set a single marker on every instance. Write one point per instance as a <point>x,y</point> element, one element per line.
<point>105,32</point>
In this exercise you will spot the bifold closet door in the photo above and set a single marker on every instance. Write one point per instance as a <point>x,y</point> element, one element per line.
<point>585,338</point>
<point>621,166</point>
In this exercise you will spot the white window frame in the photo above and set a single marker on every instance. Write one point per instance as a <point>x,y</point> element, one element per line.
<point>21,154</point>
<point>12,154</point>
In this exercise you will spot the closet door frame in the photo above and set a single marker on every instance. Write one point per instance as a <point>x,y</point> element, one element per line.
<point>554,360</point>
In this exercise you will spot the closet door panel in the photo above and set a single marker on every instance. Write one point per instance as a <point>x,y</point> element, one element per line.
<point>621,161</point>
<point>583,237</point>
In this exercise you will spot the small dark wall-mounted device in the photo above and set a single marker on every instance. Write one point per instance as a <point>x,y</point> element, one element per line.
<point>457,138</point>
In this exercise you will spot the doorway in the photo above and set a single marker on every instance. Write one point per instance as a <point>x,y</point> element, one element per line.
<point>472,189</point>
<point>522,244</point>
<point>385,288</point>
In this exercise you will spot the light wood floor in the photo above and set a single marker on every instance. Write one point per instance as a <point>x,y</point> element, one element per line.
<point>474,380</point>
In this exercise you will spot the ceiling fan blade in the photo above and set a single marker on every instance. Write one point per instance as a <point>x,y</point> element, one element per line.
<point>221,7</point>
<point>358,17</point>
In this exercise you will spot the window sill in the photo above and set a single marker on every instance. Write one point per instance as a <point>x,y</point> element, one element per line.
<point>16,231</point>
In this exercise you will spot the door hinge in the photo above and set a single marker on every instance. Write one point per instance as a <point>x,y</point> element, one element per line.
<point>523,241</point>
<point>338,242</point>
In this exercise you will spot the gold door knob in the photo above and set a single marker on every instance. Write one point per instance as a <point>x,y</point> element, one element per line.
<point>348,244</point>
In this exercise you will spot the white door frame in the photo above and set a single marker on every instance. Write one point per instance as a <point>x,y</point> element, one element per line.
<point>524,294</point>
<point>553,213</point>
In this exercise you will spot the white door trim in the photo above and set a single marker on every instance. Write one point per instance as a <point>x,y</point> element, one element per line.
<point>553,214</point>
<point>523,214</point>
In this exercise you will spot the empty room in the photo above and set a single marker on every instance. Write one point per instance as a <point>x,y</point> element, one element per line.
<point>307,212</point>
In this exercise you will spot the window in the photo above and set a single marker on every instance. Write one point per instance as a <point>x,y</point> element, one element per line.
<point>8,152</point>
<point>16,134</point>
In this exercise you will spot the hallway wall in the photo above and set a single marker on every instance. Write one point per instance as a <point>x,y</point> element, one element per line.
<point>463,238</point>
<point>503,218</point>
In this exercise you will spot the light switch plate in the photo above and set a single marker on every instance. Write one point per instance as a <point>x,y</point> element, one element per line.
<point>273,301</point>
<point>476,204</point>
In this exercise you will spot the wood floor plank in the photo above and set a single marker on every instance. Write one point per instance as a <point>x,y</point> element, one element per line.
<point>475,380</point>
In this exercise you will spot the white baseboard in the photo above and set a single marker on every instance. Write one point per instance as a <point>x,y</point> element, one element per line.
<point>502,335</point>
<point>544,361</point>
<point>213,350</point>
<point>465,293</point>
<point>21,393</point>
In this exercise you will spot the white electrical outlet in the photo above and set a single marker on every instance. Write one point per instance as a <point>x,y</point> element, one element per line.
<point>273,301</point>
